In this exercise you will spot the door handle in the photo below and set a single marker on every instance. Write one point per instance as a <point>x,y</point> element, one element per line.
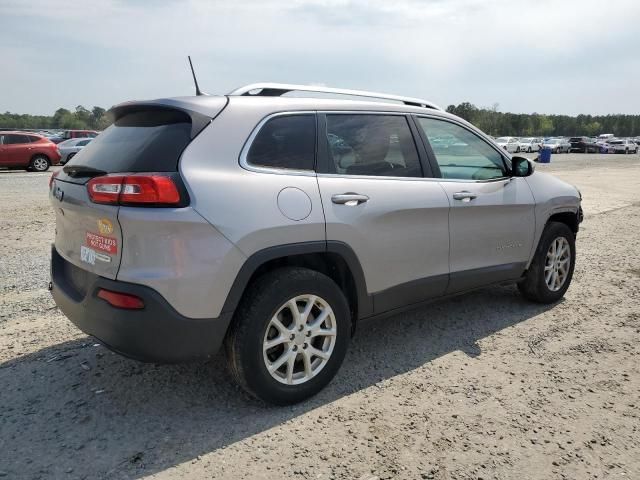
<point>464,196</point>
<point>349,199</point>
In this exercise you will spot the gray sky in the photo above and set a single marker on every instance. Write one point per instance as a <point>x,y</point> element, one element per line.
<point>562,56</point>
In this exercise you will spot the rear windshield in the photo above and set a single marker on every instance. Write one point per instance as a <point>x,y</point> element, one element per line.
<point>142,141</point>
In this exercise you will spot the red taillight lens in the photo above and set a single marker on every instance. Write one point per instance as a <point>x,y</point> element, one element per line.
<point>149,189</point>
<point>121,300</point>
<point>52,178</point>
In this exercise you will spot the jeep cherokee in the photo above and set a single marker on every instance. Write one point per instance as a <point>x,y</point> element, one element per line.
<point>273,225</point>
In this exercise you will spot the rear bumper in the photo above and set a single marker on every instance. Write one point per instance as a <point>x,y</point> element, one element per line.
<point>155,333</point>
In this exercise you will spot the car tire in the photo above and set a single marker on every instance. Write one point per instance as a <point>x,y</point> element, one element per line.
<point>71,155</point>
<point>550,274</point>
<point>517,149</point>
<point>529,150</point>
<point>265,315</point>
<point>39,163</point>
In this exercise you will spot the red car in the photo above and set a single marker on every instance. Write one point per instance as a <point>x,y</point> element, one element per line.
<point>27,150</point>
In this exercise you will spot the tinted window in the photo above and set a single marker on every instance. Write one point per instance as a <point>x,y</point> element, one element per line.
<point>144,141</point>
<point>82,143</point>
<point>380,145</point>
<point>460,153</point>
<point>13,139</point>
<point>285,142</point>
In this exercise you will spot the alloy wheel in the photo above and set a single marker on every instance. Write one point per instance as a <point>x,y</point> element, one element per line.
<point>557,263</point>
<point>40,164</point>
<point>299,339</point>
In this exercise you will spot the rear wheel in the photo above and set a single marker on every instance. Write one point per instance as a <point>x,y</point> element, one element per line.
<point>289,336</point>
<point>551,270</point>
<point>39,163</point>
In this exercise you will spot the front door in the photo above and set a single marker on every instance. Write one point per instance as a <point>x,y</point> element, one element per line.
<point>492,220</point>
<point>377,201</point>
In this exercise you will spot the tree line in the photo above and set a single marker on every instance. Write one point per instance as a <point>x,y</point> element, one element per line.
<point>489,120</point>
<point>493,122</point>
<point>80,119</point>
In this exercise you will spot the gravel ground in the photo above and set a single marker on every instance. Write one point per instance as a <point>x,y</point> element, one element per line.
<point>482,386</point>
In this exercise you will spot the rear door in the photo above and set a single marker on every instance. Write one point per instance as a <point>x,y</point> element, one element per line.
<point>17,150</point>
<point>491,222</point>
<point>377,201</point>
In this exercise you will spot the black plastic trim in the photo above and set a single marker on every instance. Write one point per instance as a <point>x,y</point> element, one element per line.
<point>411,292</point>
<point>251,265</point>
<point>479,277</point>
<point>155,333</point>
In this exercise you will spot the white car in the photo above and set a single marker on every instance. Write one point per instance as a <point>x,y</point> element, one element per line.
<point>622,146</point>
<point>510,144</point>
<point>530,144</point>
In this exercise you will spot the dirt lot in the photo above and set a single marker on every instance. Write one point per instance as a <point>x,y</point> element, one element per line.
<point>482,386</point>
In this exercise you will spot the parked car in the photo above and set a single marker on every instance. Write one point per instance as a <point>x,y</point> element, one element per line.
<point>193,222</point>
<point>529,144</point>
<point>67,134</point>
<point>583,145</point>
<point>20,150</point>
<point>622,146</point>
<point>510,144</point>
<point>558,145</point>
<point>70,147</point>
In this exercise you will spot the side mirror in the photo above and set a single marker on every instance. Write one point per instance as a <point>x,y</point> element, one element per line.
<point>521,167</point>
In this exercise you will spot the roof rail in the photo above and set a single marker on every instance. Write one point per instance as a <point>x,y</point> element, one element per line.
<point>278,89</point>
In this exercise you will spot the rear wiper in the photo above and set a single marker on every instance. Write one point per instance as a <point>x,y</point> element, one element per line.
<point>82,171</point>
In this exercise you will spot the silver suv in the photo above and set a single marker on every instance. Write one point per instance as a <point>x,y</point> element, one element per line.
<point>276,224</point>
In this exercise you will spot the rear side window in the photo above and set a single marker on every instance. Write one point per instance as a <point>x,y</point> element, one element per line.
<point>143,141</point>
<point>82,143</point>
<point>285,142</point>
<point>378,145</point>
<point>13,139</point>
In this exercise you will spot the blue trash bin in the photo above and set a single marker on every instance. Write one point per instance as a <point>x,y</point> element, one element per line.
<point>545,155</point>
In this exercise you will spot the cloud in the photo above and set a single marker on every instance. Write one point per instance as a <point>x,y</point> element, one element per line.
<point>557,57</point>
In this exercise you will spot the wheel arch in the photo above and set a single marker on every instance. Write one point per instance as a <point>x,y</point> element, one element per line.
<point>335,259</point>
<point>40,154</point>
<point>569,218</point>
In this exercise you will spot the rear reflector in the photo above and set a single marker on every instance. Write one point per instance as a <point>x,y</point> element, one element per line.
<point>148,189</point>
<point>121,300</point>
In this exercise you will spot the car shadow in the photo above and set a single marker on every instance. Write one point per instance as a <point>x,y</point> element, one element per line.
<point>76,410</point>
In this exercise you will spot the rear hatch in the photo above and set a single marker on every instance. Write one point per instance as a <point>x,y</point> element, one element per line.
<point>144,139</point>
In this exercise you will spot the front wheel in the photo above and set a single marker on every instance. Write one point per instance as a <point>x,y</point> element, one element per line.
<point>529,150</point>
<point>289,335</point>
<point>39,163</point>
<point>551,269</point>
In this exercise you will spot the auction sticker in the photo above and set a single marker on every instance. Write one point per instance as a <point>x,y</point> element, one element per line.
<point>87,255</point>
<point>102,243</point>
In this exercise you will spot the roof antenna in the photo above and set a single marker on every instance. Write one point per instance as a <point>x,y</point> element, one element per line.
<point>195,80</point>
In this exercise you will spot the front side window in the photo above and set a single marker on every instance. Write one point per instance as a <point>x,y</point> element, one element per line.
<point>285,142</point>
<point>461,154</point>
<point>367,144</point>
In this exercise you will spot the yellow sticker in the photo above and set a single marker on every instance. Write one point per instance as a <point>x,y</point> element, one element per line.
<point>105,226</point>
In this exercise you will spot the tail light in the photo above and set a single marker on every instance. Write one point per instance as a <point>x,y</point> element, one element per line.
<point>137,189</point>
<point>121,300</point>
<point>52,178</point>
